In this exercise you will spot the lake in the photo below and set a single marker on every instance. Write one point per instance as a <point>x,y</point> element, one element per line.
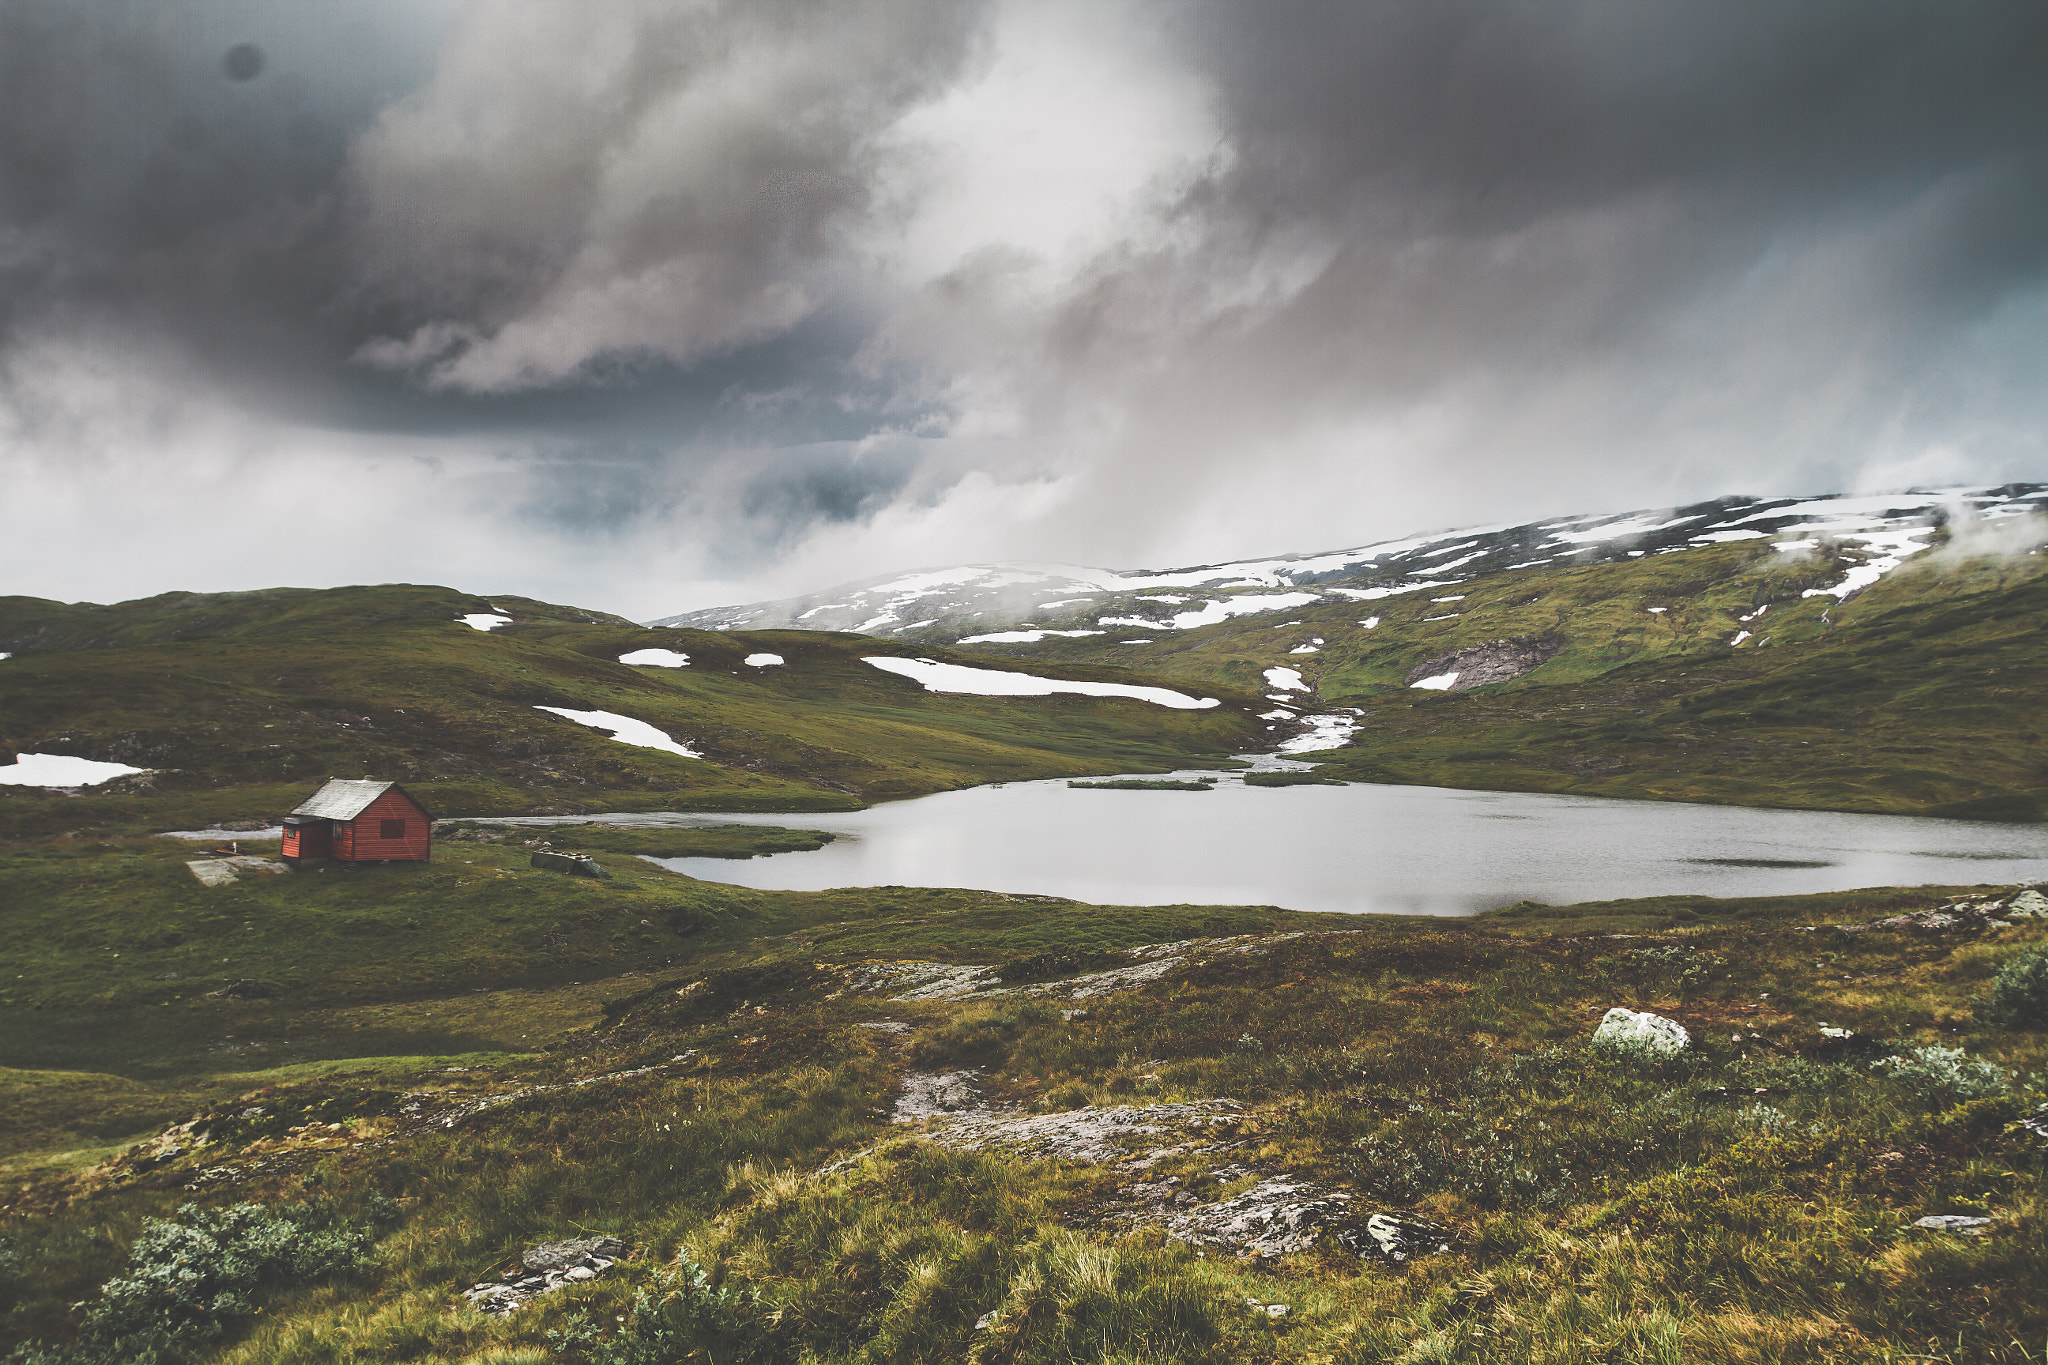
<point>1414,850</point>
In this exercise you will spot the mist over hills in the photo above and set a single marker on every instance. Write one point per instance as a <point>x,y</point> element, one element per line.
<point>1024,602</point>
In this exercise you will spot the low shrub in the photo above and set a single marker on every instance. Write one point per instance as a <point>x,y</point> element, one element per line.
<point>685,1317</point>
<point>1942,1076</point>
<point>192,1279</point>
<point>2019,993</point>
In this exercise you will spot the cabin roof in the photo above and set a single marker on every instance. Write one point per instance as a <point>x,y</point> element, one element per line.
<point>344,798</point>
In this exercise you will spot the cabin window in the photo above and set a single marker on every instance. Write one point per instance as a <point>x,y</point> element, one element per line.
<point>391,829</point>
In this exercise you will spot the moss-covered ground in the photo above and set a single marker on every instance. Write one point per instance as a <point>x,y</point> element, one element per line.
<point>1750,1200</point>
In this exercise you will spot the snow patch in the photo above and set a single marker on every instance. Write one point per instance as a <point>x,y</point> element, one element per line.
<point>934,676</point>
<point>485,621</point>
<point>1656,611</point>
<point>655,658</point>
<point>1614,530</point>
<point>1887,550</point>
<point>1305,649</point>
<point>1218,609</point>
<point>625,730</point>
<point>1285,679</point>
<point>763,660</point>
<point>61,770</point>
<point>1370,623</point>
<point>1375,594</point>
<point>1021,637</point>
<point>1442,682</point>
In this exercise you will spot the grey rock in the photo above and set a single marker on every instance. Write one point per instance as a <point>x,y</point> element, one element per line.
<point>575,864</point>
<point>574,1252</point>
<point>2029,904</point>
<point>1399,1239</point>
<point>545,1268</point>
<point>934,1094</point>
<point>1625,1030</point>
<point>244,990</point>
<point>1951,1222</point>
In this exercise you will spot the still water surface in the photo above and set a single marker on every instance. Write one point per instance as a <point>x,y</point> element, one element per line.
<point>1424,850</point>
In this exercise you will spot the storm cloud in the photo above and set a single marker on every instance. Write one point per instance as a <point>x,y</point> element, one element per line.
<point>653,305</point>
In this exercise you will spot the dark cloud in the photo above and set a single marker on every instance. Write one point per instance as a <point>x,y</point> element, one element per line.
<point>844,286</point>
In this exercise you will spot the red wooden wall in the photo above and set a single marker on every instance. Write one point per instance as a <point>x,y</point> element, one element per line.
<point>305,841</point>
<point>358,840</point>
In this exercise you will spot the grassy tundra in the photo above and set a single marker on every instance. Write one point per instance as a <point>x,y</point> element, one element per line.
<point>1749,1199</point>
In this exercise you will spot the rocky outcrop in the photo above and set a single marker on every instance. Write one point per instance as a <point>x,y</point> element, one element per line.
<point>1966,912</point>
<point>1496,661</point>
<point>221,871</point>
<point>937,1094</point>
<point>575,864</point>
<point>1282,1215</point>
<point>1278,1215</point>
<point>1145,964</point>
<point>1124,1131</point>
<point>544,1269</point>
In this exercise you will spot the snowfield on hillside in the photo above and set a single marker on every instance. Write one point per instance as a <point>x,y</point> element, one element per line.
<point>478,620</point>
<point>61,770</point>
<point>934,676</point>
<point>655,658</point>
<point>1001,603</point>
<point>625,730</point>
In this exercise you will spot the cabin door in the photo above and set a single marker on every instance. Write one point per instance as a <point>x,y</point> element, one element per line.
<point>313,839</point>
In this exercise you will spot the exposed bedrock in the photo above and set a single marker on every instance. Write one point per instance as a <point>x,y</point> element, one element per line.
<point>1496,661</point>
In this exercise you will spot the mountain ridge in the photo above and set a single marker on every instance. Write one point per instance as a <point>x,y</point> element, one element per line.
<point>971,604</point>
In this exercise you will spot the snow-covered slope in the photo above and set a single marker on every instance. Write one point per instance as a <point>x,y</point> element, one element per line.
<point>1016,603</point>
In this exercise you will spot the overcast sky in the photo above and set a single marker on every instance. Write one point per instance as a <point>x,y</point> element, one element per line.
<point>655,306</point>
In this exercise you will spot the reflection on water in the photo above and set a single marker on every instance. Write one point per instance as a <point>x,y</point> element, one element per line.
<point>1756,862</point>
<point>1364,848</point>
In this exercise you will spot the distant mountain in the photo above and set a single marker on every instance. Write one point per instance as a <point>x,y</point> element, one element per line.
<point>1019,603</point>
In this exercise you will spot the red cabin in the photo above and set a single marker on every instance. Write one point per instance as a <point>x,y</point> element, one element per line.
<point>359,822</point>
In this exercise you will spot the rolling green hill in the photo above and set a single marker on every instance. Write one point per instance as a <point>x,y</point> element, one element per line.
<point>239,703</point>
<point>1923,693</point>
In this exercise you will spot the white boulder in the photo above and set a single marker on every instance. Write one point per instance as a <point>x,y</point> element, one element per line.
<point>2027,905</point>
<point>1626,1030</point>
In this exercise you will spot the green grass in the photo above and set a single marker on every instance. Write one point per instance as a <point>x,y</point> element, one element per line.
<point>1602,1209</point>
<point>1290,779</point>
<point>701,841</point>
